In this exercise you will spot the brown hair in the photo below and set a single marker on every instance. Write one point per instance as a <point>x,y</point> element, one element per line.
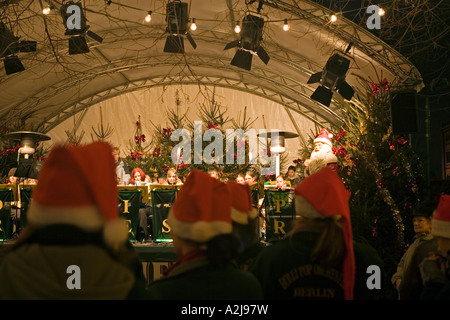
<point>330,248</point>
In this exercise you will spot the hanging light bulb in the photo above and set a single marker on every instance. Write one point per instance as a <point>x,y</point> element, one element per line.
<point>148,17</point>
<point>193,25</point>
<point>46,10</point>
<point>333,18</point>
<point>237,28</point>
<point>381,12</point>
<point>286,25</point>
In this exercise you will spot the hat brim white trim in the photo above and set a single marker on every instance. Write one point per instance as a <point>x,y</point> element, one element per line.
<point>440,228</point>
<point>199,231</point>
<point>305,209</point>
<point>88,218</point>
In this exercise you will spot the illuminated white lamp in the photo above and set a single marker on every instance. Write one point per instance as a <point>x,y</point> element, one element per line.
<point>286,25</point>
<point>237,28</point>
<point>27,140</point>
<point>193,25</point>
<point>148,17</point>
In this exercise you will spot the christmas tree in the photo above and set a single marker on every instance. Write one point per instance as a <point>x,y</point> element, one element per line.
<point>384,175</point>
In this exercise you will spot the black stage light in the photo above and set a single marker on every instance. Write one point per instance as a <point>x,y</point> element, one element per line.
<point>332,78</point>
<point>76,27</point>
<point>249,43</point>
<point>13,64</point>
<point>9,46</point>
<point>77,45</point>
<point>177,26</point>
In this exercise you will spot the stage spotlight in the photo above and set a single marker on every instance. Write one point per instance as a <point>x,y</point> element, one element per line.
<point>177,26</point>
<point>76,27</point>
<point>9,46</point>
<point>332,78</point>
<point>249,43</point>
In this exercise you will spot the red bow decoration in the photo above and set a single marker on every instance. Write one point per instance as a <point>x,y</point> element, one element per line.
<point>340,151</point>
<point>140,138</point>
<point>167,131</point>
<point>10,150</point>
<point>136,155</point>
<point>165,168</point>
<point>341,134</point>
<point>212,126</point>
<point>298,161</point>
<point>156,152</point>
<point>402,141</point>
<point>376,86</point>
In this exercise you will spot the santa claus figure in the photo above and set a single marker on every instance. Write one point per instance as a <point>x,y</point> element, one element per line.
<point>322,155</point>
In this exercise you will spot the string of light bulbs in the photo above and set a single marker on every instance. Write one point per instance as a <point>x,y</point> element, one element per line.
<point>237,29</point>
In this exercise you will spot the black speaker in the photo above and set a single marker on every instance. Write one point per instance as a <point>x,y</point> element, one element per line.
<point>404,112</point>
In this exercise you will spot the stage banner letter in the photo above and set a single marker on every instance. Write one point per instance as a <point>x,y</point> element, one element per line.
<point>162,201</point>
<point>129,204</point>
<point>280,213</point>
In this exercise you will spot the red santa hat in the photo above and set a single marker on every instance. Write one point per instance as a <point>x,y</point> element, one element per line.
<point>202,209</point>
<point>325,137</point>
<point>440,224</point>
<point>323,195</point>
<point>241,204</point>
<point>78,186</point>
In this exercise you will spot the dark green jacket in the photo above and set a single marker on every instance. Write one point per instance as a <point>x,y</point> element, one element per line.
<point>39,269</point>
<point>199,280</point>
<point>286,272</point>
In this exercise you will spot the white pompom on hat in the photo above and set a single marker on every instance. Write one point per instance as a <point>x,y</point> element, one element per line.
<point>78,186</point>
<point>202,209</point>
<point>242,209</point>
<point>440,224</point>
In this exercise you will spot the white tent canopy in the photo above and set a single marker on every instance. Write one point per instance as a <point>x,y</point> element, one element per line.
<point>128,75</point>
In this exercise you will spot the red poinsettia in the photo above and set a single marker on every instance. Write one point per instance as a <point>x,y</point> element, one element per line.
<point>136,155</point>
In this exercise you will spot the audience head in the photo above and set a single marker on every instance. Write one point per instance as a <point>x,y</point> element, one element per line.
<point>201,217</point>
<point>243,214</point>
<point>250,178</point>
<point>281,183</point>
<point>11,175</point>
<point>440,224</point>
<point>240,178</point>
<point>323,197</point>
<point>137,176</point>
<point>171,176</point>
<point>116,153</point>
<point>89,201</point>
<point>421,222</point>
<point>291,172</point>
